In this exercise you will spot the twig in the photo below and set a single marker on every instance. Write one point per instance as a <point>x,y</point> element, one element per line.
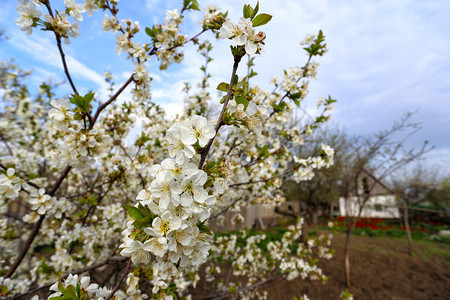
<point>60,180</point>
<point>111,259</point>
<point>226,208</point>
<point>219,123</point>
<point>26,180</point>
<point>36,228</point>
<point>120,280</point>
<point>113,97</point>
<point>6,144</point>
<point>24,251</point>
<point>305,69</point>
<point>261,180</point>
<point>61,51</point>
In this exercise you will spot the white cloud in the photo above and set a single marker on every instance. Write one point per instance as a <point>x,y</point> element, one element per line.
<point>45,51</point>
<point>386,57</point>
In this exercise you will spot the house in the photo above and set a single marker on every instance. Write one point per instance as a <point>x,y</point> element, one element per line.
<point>376,199</point>
<point>257,215</point>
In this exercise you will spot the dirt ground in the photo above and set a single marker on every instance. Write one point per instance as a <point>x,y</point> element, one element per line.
<point>381,269</point>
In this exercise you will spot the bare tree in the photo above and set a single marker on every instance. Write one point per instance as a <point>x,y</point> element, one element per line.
<point>376,157</point>
<point>418,185</point>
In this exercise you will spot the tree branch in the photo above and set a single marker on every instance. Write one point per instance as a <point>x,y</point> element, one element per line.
<point>261,180</point>
<point>219,123</point>
<point>111,259</point>
<point>120,280</point>
<point>226,208</point>
<point>113,97</point>
<point>61,51</point>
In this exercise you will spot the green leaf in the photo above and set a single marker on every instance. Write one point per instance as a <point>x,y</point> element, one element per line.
<point>61,287</point>
<point>222,101</point>
<point>294,97</point>
<point>261,19</point>
<point>255,11</point>
<point>186,3</point>
<point>194,5</point>
<point>210,165</point>
<point>71,293</point>
<point>45,249</point>
<point>252,73</point>
<point>134,212</point>
<point>78,290</point>
<point>236,79</point>
<point>224,87</point>
<point>279,107</point>
<point>83,103</point>
<point>264,151</point>
<point>247,10</point>
<point>88,97</point>
<point>143,222</point>
<point>151,32</point>
<point>203,228</point>
<point>239,99</point>
<point>191,4</point>
<point>320,119</point>
<point>144,210</point>
<point>148,31</point>
<point>241,84</point>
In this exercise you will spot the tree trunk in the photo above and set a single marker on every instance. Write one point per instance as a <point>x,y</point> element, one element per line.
<point>314,216</point>
<point>346,252</point>
<point>304,236</point>
<point>408,232</point>
<point>332,210</point>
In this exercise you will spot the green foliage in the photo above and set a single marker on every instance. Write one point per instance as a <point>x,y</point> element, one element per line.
<point>151,32</point>
<point>223,87</point>
<point>249,12</point>
<point>295,97</point>
<point>264,151</point>
<point>83,104</point>
<point>261,19</point>
<point>142,140</point>
<point>142,215</point>
<point>4,291</point>
<point>45,249</point>
<point>203,228</point>
<point>440,238</point>
<point>241,100</point>
<point>279,107</point>
<point>318,47</point>
<point>191,4</point>
<point>68,293</point>
<point>134,212</point>
<point>276,234</point>
<point>345,294</point>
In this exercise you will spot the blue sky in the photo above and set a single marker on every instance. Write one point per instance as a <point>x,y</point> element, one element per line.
<point>385,58</point>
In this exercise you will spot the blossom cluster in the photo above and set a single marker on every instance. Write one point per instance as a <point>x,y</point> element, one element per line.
<point>174,206</point>
<point>306,166</point>
<point>10,185</point>
<point>243,34</point>
<point>87,289</point>
<point>29,17</point>
<point>80,146</point>
<point>251,260</point>
<point>79,214</point>
<point>167,38</point>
